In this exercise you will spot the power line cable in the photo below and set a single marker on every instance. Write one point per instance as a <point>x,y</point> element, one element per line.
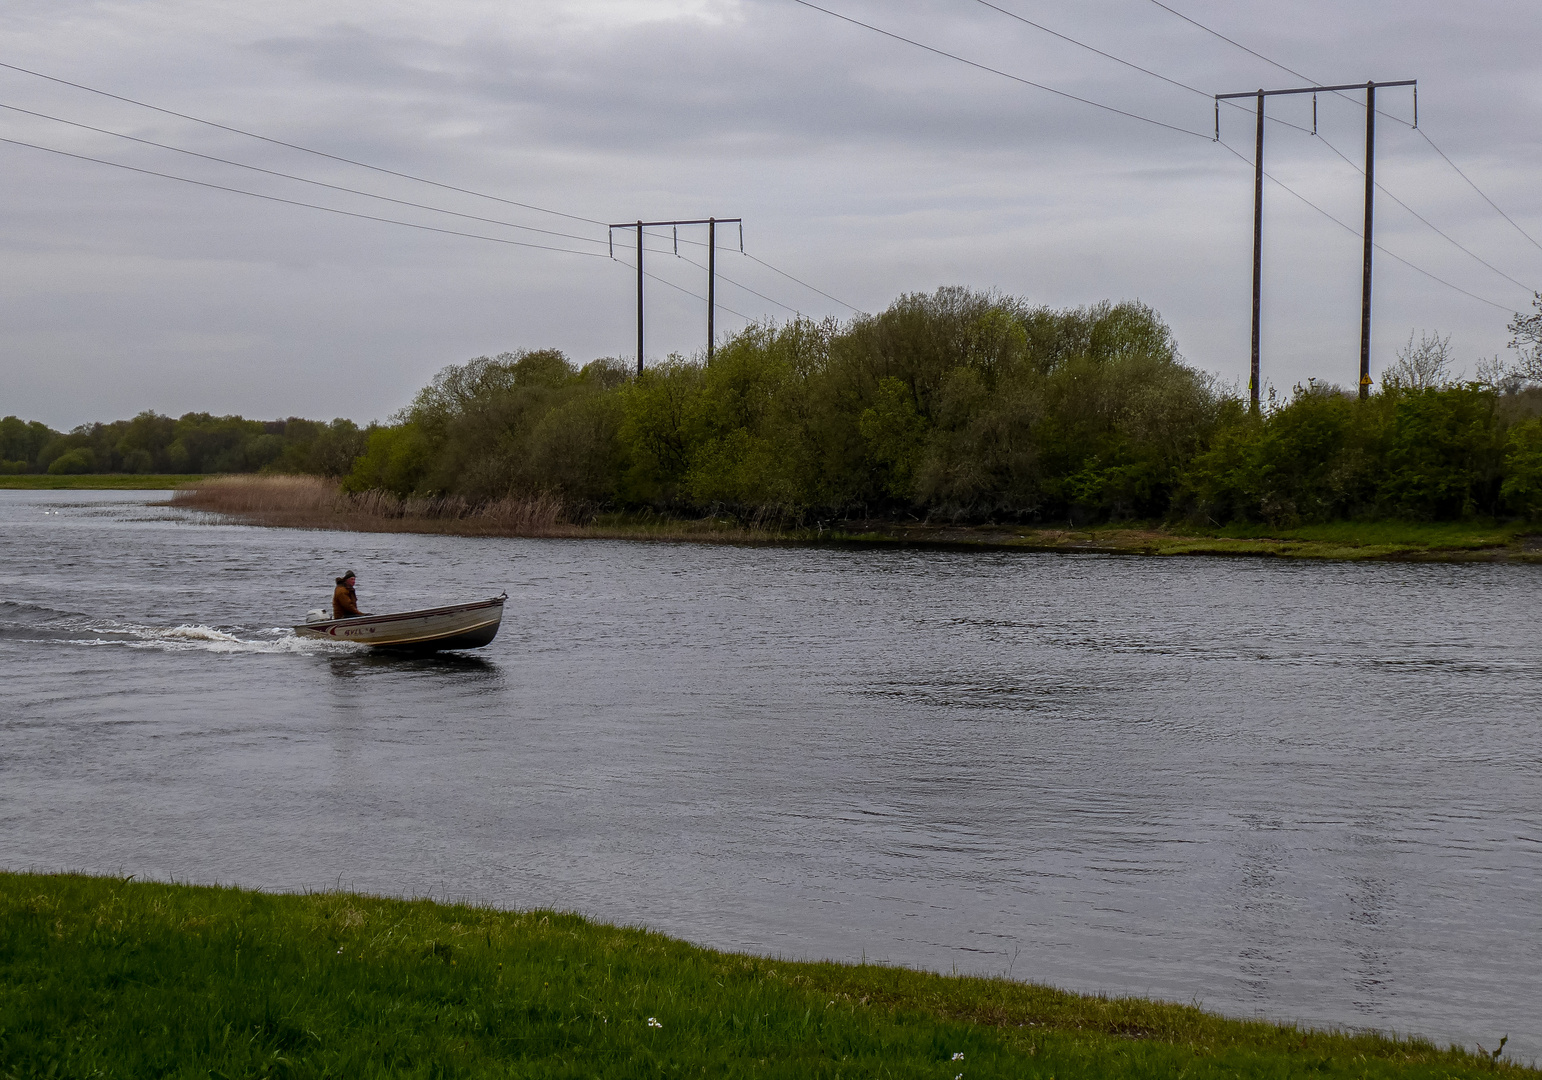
<point>1015,78</point>
<point>773,269</point>
<point>1265,59</point>
<point>1230,41</point>
<point>1185,86</point>
<point>297,202</point>
<point>364,217</point>
<point>1355,232</point>
<point>1004,74</point>
<point>1476,188</point>
<point>679,288</point>
<point>1120,60</point>
<point>674,239</point>
<point>1093,49</point>
<point>805,284</point>
<point>1274,63</point>
<point>721,276</point>
<point>1440,232</point>
<point>296,146</point>
<point>350,161</point>
<point>299,179</point>
<point>724,277</point>
<point>1307,78</point>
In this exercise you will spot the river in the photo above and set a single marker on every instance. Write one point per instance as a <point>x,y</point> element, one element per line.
<point>1304,791</point>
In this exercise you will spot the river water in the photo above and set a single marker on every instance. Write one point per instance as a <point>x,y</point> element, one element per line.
<point>1304,791</point>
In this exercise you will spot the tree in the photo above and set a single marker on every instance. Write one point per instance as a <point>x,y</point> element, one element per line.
<point>1526,339</point>
<point>1424,365</point>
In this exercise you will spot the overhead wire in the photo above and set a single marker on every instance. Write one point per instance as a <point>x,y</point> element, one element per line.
<point>675,239</point>
<point>738,284</point>
<point>774,269</point>
<point>680,288</point>
<point>720,275</point>
<point>1479,190</point>
<point>1193,89</point>
<point>298,179</point>
<point>297,202</point>
<point>1229,41</point>
<point>1004,74</point>
<point>354,214</point>
<point>805,284</point>
<point>530,206</point>
<point>1435,228</point>
<point>1127,63</point>
<point>297,146</point>
<point>1424,134</point>
<point>348,161</point>
<point>1355,232</point>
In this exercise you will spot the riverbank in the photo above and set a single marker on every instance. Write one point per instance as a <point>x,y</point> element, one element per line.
<point>1340,541</point>
<point>110,977</point>
<point>98,481</point>
<point>313,503</point>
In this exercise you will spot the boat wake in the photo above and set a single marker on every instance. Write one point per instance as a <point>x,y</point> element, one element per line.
<point>209,639</point>
<point>30,624</point>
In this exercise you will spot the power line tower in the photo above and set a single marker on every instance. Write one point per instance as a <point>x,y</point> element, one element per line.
<point>711,224</point>
<point>1370,196</point>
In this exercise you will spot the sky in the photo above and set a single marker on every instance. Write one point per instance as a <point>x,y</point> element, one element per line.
<point>864,167</point>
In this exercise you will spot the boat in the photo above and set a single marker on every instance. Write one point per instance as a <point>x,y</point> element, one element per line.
<point>457,626</point>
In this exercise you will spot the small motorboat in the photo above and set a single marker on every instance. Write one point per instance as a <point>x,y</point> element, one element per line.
<point>458,626</point>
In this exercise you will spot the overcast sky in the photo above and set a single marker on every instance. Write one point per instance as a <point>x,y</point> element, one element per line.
<point>862,165</point>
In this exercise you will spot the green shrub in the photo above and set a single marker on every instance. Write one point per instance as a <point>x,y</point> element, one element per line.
<point>1522,486</point>
<point>73,463</point>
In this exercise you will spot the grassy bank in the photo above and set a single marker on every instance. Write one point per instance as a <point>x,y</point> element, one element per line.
<point>104,977</point>
<point>312,503</point>
<point>1348,540</point>
<point>98,481</point>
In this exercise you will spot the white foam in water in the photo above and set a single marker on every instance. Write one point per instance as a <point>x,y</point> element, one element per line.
<point>197,633</point>
<point>199,638</point>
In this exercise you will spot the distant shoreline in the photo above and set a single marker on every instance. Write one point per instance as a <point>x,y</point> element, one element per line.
<point>313,503</point>
<point>97,481</point>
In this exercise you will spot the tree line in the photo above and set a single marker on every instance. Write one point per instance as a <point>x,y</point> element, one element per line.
<point>956,405</point>
<point>192,443</point>
<point>970,406</point>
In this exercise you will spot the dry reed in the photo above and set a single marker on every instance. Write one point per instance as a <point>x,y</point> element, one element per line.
<point>311,502</point>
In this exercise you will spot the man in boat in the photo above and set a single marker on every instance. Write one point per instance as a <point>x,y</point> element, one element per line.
<point>345,602</point>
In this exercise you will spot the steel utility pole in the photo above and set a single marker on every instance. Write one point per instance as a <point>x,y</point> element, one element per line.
<point>1258,249</point>
<point>711,285</point>
<point>1370,193</point>
<point>1365,275</point>
<point>712,224</point>
<point>639,296</point>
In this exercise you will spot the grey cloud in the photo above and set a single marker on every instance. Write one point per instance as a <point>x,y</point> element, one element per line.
<point>860,163</point>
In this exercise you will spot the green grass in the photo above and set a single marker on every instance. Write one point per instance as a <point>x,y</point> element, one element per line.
<point>1435,534</point>
<point>97,481</point>
<point>103,977</point>
<point>1343,540</point>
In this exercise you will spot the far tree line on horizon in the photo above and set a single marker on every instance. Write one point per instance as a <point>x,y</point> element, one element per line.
<point>957,405</point>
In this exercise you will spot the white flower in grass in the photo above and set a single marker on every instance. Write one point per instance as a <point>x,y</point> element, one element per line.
<point>958,1056</point>
<point>653,1022</point>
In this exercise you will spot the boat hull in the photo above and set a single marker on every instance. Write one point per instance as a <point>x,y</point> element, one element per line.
<point>458,626</point>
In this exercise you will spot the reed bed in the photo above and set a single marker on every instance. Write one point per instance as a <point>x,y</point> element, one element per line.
<point>312,502</point>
